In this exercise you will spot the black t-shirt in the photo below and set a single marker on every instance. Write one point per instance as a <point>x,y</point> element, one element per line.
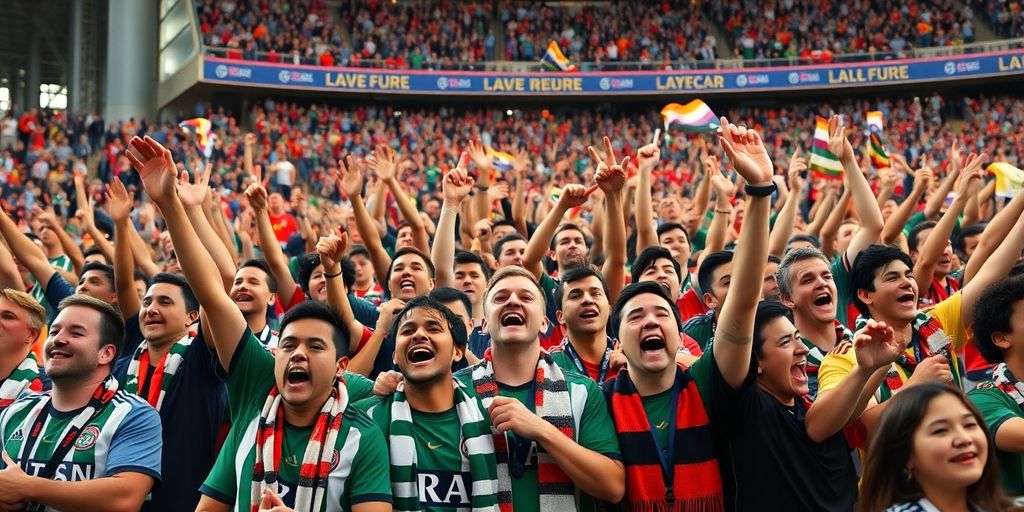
<point>768,461</point>
<point>192,413</point>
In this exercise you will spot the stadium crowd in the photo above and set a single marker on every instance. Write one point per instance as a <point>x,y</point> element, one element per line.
<point>450,34</point>
<point>606,316</point>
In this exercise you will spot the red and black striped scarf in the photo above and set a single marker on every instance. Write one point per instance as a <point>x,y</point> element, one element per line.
<point>696,481</point>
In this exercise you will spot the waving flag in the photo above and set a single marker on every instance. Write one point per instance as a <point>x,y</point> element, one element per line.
<point>200,127</point>
<point>554,60</point>
<point>875,121</point>
<point>876,141</point>
<point>502,161</point>
<point>694,117</point>
<point>1009,179</point>
<point>823,162</point>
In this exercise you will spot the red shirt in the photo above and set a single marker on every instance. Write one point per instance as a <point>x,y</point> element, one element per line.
<point>690,305</point>
<point>284,226</point>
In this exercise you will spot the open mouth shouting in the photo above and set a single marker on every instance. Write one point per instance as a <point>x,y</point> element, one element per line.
<point>513,318</point>
<point>407,286</point>
<point>652,346</point>
<point>420,354</point>
<point>243,298</point>
<point>907,300</point>
<point>296,377</point>
<point>798,372</point>
<point>590,313</point>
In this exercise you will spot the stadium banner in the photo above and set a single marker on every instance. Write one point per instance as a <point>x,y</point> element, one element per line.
<point>609,83</point>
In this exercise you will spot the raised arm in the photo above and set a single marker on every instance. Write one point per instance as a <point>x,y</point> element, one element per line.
<point>864,202</point>
<point>119,204</point>
<point>995,268</point>
<point>611,178</point>
<point>735,330</point>
<point>385,162</point>
<point>820,211</point>
<point>350,181</point>
<point>272,253</point>
<point>894,225</point>
<point>455,186</point>
<point>332,249</point>
<point>247,156</point>
<point>783,228</point>
<point>9,275</point>
<point>703,196</point>
<point>213,207</point>
<point>725,189</point>
<point>29,255</point>
<point>938,198</point>
<point>647,159</point>
<point>876,348</point>
<point>484,163</point>
<point>70,247</point>
<point>521,166</point>
<point>191,197</point>
<point>935,244</point>
<point>539,244</point>
<point>994,233</point>
<point>159,176</point>
<point>887,179</point>
<point>830,229</point>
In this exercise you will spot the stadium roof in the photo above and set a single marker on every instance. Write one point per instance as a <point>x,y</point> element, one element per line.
<point>51,18</point>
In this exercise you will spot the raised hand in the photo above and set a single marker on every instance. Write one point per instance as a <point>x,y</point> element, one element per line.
<point>610,174</point>
<point>156,167</point>
<point>384,162</point>
<point>575,195</point>
<point>970,176</point>
<point>257,196</point>
<point>457,184</point>
<point>350,178</point>
<point>649,155</point>
<point>119,202</point>
<point>497,192</point>
<point>46,217</point>
<point>923,179</point>
<point>838,144</point>
<point>332,249</point>
<point>250,139</point>
<point>887,178</point>
<point>193,194</point>
<point>875,345</point>
<point>747,153</point>
<point>955,155</point>
<point>481,158</point>
<point>299,204</point>
<point>521,163</point>
<point>723,186</point>
<point>482,229</point>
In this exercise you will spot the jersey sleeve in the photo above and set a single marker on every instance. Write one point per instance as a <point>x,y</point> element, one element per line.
<point>370,479</point>
<point>995,407</point>
<point>840,269</point>
<point>948,314</point>
<point>250,377</point>
<point>364,311</point>
<point>359,387</point>
<point>136,446</point>
<point>597,432</point>
<point>57,290</point>
<point>834,368</point>
<point>221,484</point>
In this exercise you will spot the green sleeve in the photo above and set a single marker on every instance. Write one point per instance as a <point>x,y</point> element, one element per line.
<point>597,432</point>
<point>915,219</point>
<point>995,406</point>
<point>699,240</point>
<point>220,484</point>
<point>359,387</point>
<point>370,479</point>
<point>250,378</point>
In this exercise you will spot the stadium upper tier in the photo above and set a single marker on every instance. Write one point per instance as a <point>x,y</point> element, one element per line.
<point>514,35</point>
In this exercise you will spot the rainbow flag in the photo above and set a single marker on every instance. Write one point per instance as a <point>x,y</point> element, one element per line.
<point>554,60</point>
<point>200,127</point>
<point>823,162</point>
<point>694,117</point>
<point>875,121</point>
<point>1009,179</point>
<point>502,161</point>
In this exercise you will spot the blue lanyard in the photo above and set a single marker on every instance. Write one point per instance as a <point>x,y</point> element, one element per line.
<point>602,373</point>
<point>665,457</point>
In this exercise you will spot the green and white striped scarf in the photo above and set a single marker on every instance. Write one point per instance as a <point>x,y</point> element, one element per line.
<point>24,379</point>
<point>476,445</point>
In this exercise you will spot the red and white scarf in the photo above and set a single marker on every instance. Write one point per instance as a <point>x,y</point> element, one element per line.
<point>316,460</point>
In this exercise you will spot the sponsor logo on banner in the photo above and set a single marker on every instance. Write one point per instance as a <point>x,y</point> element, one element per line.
<point>225,71</point>
<point>804,77</point>
<point>454,83</point>
<point>298,77</point>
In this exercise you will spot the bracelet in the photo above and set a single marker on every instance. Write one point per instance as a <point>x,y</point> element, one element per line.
<point>760,191</point>
<point>329,276</point>
<point>725,212</point>
<point>480,188</point>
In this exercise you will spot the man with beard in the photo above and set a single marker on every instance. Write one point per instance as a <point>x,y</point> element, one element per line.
<point>289,409</point>
<point>432,469</point>
<point>86,445</point>
<point>21,320</point>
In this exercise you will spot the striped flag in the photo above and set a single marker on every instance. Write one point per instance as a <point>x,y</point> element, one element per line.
<point>876,141</point>
<point>1009,179</point>
<point>200,127</point>
<point>823,162</point>
<point>554,60</point>
<point>502,161</point>
<point>694,117</point>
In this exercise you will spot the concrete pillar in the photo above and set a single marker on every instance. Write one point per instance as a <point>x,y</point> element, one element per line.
<point>131,64</point>
<point>75,57</point>
<point>32,70</point>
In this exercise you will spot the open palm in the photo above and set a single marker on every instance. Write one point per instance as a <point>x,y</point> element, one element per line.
<point>156,167</point>
<point>119,202</point>
<point>747,153</point>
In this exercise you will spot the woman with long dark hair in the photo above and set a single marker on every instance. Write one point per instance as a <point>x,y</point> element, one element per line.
<point>931,453</point>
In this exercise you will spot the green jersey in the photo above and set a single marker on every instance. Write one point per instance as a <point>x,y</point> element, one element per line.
<point>593,426</point>
<point>359,471</point>
<point>444,482</point>
<point>62,262</point>
<point>657,408</point>
<point>996,407</point>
